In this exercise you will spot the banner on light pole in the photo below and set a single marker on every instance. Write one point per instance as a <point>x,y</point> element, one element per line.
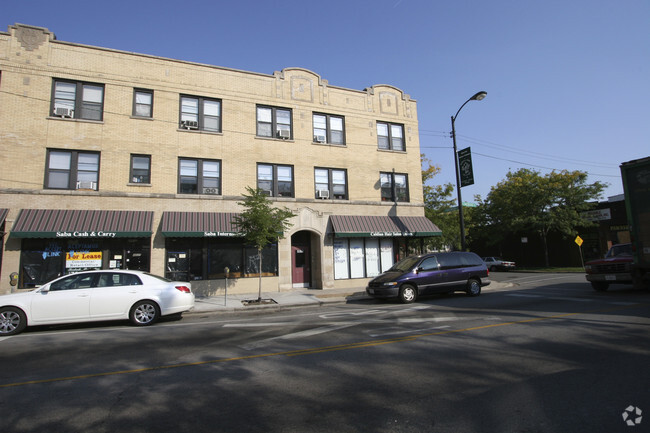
<point>465,165</point>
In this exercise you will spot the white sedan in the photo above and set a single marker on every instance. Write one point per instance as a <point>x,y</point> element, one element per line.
<point>92,296</point>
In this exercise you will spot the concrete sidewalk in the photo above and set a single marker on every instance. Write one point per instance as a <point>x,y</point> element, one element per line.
<point>292,298</point>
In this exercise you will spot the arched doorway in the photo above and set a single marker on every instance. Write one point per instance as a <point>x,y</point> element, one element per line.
<point>301,259</point>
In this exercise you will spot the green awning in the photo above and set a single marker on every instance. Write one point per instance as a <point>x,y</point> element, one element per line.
<point>82,224</point>
<point>383,226</point>
<point>198,224</point>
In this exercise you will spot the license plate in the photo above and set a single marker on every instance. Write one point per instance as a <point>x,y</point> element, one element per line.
<point>372,292</point>
<point>610,277</point>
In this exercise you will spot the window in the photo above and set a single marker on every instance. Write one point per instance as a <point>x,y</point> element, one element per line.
<point>199,176</point>
<point>275,180</point>
<point>394,187</point>
<point>330,183</point>
<point>72,169</point>
<point>328,129</point>
<point>274,122</point>
<point>200,113</point>
<point>390,136</point>
<point>140,168</point>
<point>78,100</point>
<point>142,103</point>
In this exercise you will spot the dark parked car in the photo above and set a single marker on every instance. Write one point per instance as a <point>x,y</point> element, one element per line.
<point>431,273</point>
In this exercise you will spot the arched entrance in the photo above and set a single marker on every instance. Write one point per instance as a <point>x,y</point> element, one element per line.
<point>302,250</point>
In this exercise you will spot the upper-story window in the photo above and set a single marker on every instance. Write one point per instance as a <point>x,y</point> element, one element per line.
<point>394,187</point>
<point>200,113</point>
<point>329,129</point>
<point>71,169</point>
<point>330,183</point>
<point>140,169</point>
<point>199,176</point>
<point>390,136</point>
<point>77,100</point>
<point>274,122</point>
<point>275,180</point>
<point>143,103</point>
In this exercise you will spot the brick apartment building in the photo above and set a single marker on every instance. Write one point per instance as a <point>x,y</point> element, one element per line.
<point>112,159</point>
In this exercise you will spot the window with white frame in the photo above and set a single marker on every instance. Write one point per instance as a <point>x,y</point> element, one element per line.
<point>274,122</point>
<point>390,136</point>
<point>143,103</point>
<point>275,180</point>
<point>200,113</point>
<point>72,169</point>
<point>331,183</point>
<point>77,100</point>
<point>362,257</point>
<point>328,129</point>
<point>394,187</point>
<point>199,176</point>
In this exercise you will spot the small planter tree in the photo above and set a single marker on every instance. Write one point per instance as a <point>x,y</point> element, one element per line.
<point>260,224</point>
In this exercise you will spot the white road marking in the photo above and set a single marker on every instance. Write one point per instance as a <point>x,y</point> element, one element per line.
<point>301,334</point>
<point>404,331</point>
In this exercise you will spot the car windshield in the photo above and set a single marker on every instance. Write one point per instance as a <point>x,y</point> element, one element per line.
<point>619,250</point>
<point>405,264</point>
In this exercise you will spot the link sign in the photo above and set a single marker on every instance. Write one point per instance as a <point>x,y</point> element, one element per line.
<point>465,165</point>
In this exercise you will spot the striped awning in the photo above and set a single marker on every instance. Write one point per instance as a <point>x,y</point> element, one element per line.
<point>82,224</point>
<point>3,215</point>
<point>383,226</point>
<point>198,224</point>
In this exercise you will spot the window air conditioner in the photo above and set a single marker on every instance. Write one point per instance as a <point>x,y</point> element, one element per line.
<point>323,193</point>
<point>266,192</point>
<point>64,112</point>
<point>319,138</point>
<point>284,134</point>
<point>87,185</point>
<point>189,124</point>
<point>212,191</point>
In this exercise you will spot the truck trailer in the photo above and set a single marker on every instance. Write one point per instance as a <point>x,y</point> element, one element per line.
<point>636,186</point>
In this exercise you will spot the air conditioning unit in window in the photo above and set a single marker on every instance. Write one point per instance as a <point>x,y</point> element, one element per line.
<point>87,185</point>
<point>266,192</point>
<point>189,124</point>
<point>211,191</point>
<point>319,138</point>
<point>64,112</point>
<point>284,134</point>
<point>323,193</point>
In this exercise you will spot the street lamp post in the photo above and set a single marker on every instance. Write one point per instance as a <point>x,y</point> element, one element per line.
<point>477,97</point>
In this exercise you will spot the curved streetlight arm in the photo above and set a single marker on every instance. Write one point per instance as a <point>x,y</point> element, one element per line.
<point>477,97</point>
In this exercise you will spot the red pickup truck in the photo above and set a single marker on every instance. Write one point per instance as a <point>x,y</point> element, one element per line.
<point>614,268</point>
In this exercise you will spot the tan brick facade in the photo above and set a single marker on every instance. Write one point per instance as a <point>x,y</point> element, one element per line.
<point>31,58</point>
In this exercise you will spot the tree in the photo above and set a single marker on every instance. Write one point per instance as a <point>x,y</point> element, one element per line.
<point>440,208</point>
<point>261,224</point>
<point>525,200</point>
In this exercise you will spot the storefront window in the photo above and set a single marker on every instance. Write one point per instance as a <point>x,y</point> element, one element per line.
<point>362,257</point>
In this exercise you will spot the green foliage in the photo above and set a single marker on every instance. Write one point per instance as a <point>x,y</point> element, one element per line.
<point>260,223</point>
<point>440,208</point>
<point>528,201</point>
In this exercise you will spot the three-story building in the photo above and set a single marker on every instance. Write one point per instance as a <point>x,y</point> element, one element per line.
<point>112,159</point>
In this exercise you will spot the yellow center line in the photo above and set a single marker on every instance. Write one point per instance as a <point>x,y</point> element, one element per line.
<point>310,351</point>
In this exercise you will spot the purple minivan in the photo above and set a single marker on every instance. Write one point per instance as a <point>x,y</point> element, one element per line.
<point>431,273</point>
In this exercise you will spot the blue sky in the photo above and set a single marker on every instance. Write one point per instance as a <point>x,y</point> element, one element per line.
<point>568,82</point>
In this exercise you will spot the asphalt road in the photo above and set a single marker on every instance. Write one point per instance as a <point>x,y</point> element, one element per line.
<point>546,354</point>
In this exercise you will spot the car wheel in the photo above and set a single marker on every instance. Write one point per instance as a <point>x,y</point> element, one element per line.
<point>12,321</point>
<point>407,294</point>
<point>599,286</point>
<point>144,313</point>
<point>473,287</point>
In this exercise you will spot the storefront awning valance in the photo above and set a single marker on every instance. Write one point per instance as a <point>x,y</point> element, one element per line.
<point>3,215</point>
<point>82,224</point>
<point>383,226</point>
<point>199,224</point>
